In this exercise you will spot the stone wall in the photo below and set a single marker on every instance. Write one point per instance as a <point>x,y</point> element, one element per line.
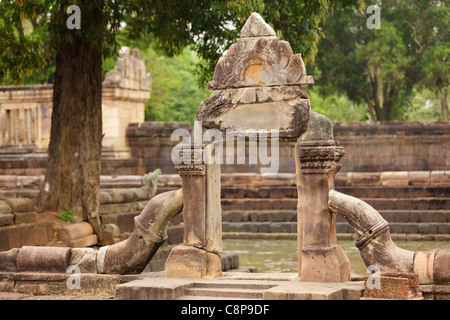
<point>25,115</point>
<point>394,146</point>
<point>369,147</point>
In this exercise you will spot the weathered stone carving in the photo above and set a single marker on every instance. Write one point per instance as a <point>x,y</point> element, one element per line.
<point>320,257</point>
<point>150,182</point>
<point>374,240</point>
<point>259,58</point>
<point>150,232</point>
<point>198,257</point>
<point>129,72</point>
<point>257,85</point>
<point>377,248</point>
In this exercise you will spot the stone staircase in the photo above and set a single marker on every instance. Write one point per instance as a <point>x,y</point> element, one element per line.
<point>236,286</point>
<point>410,209</point>
<point>416,205</point>
<point>220,290</point>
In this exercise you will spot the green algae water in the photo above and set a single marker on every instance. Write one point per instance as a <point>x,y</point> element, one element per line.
<point>269,255</point>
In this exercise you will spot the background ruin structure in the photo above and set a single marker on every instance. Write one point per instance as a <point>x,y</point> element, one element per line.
<point>25,111</point>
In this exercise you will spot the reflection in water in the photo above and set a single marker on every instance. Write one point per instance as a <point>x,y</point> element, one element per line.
<point>270,255</point>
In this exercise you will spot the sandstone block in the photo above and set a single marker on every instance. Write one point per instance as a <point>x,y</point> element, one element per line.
<point>5,208</point>
<point>105,197</point>
<point>74,231</point>
<point>420,178</point>
<point>439,178</point>
<point>257,85</point>
<point>85,259</point>
<point>442,268</point>
<point>322,264</point>
<point>46,259</point>
<point>85,241</point>
<point>191,262</point>
<point>389,288</point>
<point>424,266</point>
<point>363,178</point>
<point>6,219</point>
<point>394,178</point>
<point>265,108</point>
<point>392,285</point>
<point>8,181</point>
<point>29,181</point>
<point>8,260</point>
<point>21,204</point>
<point>25,217</point>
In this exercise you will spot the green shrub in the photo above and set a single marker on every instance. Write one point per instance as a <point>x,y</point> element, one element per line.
<point>67,215</point>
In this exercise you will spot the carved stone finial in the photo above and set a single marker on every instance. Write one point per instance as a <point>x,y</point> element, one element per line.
<point>259,58</point>
<point>130,72</point>
<point>257,85</point>
<point>256,27</point>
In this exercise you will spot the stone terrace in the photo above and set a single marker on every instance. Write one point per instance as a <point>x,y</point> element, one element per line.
<point>416,203</point>
<point>401,169</point>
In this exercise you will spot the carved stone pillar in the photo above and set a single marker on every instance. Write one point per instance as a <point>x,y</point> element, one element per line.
<point>202,215</point>
<point>320,257</point>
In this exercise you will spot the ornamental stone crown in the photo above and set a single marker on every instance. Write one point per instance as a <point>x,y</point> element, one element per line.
<point>257,85</point>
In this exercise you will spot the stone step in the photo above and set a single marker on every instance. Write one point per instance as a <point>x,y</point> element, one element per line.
<point>377,203</point>
<point>411,204</point>
<point>26,234</point>
<point>259,215</point>
<point>413,215</point>
<point>231,293</point>
<point>277,192</point>
<point>341,227</point>
<point>233,285</point>
<point>397,191</point>
<point>291,215</point>
<point>224,290</point>
<point>271,191</point>
<point>259,192</point>
<point>213,298</point>
<point>405,227</point>
<point>259,204</point>
<point>260,227</point>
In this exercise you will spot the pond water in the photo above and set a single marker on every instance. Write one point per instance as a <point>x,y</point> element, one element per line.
<point>270,255</point>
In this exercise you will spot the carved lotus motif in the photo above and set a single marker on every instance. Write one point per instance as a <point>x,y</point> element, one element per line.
<point>259,58</point>
<point>257,85</point>
<point>264,61</point>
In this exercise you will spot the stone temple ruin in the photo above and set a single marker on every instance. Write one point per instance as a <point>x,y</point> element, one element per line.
<point>258,85</point>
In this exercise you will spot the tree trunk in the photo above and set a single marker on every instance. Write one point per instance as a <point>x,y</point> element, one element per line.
<point>72,180</point>
<point>375,107</point>
<point>445,114</point>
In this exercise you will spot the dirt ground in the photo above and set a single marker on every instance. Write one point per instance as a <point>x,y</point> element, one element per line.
<point>20,296</point>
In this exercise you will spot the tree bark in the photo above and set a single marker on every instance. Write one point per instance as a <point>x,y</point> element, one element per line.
<point>72,179</point>
<point>445,114</point>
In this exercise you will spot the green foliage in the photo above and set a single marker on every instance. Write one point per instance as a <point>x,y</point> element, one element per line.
<point>381,67</point>
<point>21,47</point>
<point>175,93</point>
<point>67,215</point>
<point>209,27</point>
<point>337,107</point>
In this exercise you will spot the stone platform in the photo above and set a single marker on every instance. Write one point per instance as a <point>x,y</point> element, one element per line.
<point>155,286</point>
<point>237,286</point>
